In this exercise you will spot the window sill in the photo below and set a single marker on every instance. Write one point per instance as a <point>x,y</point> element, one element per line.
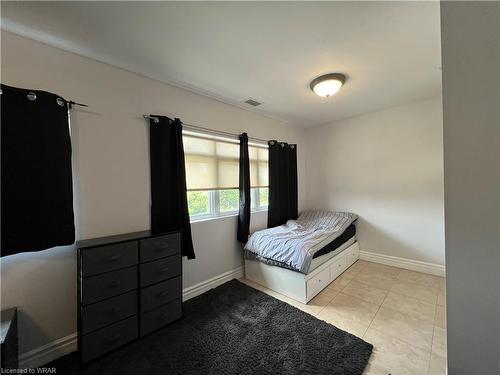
<point>222,216</point>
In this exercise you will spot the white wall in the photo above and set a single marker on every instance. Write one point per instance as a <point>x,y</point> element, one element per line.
<point>471,108</point>
<point>111,158</point>
<point>387,167</point>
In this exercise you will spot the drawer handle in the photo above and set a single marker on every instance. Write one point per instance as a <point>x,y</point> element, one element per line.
<point>164,269</point>
<point>114,258</point>
<point>162,247</point>
<point>114,284</point>
<point>116,310</point>
<point>164,316</point>
<point>164,293</point>
<point>112,339</point>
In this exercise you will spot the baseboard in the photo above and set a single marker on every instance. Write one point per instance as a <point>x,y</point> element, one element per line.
<point>409,264</point>
<point>47,353</point>
<point>211,283</point>
<point>65,345</point>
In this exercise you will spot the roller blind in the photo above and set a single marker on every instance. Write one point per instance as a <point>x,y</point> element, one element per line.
<point>213,163</point>
<point>259,166</point>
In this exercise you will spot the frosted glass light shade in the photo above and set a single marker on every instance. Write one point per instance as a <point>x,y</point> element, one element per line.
<point>327,85</point>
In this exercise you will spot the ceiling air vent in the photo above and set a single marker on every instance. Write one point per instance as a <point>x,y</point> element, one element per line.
<point>252,102</point>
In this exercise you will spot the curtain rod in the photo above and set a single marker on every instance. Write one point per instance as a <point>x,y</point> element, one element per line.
<point>207,130</point>
<point>72,103</point>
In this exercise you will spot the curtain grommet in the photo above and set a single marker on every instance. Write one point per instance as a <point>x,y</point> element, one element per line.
<point>282,145</point>
<point>292,146</point>
<point>271,143</point>
<point>31,96</point>
<point>60,102</point>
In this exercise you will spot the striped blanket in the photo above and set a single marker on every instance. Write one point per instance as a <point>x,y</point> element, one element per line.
<point>296,242</point>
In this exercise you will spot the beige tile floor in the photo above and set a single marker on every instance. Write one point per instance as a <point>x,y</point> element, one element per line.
<point>402,313</point>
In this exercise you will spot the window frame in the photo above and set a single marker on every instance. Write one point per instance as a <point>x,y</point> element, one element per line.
<point>214,206</point>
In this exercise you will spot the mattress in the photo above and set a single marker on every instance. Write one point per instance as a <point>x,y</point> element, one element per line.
<point>332,242</point>
<point>316,262</point>
<point>326,250</point>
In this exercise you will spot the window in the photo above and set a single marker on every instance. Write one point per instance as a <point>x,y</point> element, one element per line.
<point>212,175</point>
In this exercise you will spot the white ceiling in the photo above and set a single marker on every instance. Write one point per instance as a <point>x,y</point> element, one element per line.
<point>390,51</point>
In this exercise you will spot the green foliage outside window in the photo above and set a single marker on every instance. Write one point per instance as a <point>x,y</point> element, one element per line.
<point>198,202</point>
<point>225,201</point>
<point>229,200</point>
<point>264,196</point>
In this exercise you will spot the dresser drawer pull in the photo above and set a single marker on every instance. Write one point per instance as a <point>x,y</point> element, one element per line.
<point>164,293</point>
<point>114,258</point>
<point>112,339</point>
<point>116,310</point>
<point>114,284</point>
<point>164,269</point>
<point>162,247</point>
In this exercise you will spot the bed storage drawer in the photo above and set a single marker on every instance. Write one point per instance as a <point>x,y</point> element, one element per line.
<point>338,266</point>
<point>352,255</point>
<point>318,282</point>
<point>355,252</point>
<point>97,343</point>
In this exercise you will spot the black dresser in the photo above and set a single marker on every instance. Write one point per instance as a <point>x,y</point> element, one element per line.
<point>129,285</point>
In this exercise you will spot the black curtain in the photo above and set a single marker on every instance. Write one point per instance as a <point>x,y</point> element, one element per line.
<point>37,192</point>
<point>282,183</point>
<point>244,213</point>
<point>169,207</point>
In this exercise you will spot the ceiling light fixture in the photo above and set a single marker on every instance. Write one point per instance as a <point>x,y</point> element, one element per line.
<point>328,84</point>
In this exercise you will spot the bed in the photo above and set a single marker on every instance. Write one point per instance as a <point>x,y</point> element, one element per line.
<point>300,258</point>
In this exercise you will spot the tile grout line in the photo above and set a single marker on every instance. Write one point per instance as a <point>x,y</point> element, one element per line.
<point>429,361</point>
<point>402,340</point>
<point>369,325</point>
<point>433,333</point>
<point>316,315</point>
<point>340,291</point>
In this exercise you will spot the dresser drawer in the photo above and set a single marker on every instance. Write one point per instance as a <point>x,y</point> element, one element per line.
<point>159,247</point>
<point>109,311</point>
<point>159,270</point>
<point>100,342</point>
<point>160,316</point>
<point>159,294</point>
<point>108,258</point>
<point>97,288</point>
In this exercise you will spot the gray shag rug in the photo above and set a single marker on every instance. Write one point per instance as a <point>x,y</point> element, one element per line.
<point>234,329</point>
